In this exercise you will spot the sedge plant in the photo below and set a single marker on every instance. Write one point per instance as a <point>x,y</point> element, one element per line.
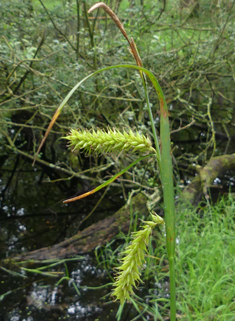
<point>113,140</point>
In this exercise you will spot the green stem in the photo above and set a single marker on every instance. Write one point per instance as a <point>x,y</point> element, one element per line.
<point>91,35</point>
<point>166,175</point>
<point>158,153</point>
<point>168,194</point>
<point>78,27</point>
<point>172,289</point>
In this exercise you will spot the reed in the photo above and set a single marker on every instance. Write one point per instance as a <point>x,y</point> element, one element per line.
<point>112,141</point>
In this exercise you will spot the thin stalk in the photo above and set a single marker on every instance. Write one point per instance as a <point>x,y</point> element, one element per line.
<point>56,28</point>
<point>78,27</point>
<point>91,35</point>
<point>158,153</point>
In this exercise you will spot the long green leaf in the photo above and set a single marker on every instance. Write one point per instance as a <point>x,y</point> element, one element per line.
<point>107,182</point>
<point>66,99</point>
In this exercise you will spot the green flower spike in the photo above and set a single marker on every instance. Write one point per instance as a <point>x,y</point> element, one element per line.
<point>130,269</point>
<point>108,142</point>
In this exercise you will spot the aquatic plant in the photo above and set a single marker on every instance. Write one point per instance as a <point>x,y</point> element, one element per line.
<point>114,141</point>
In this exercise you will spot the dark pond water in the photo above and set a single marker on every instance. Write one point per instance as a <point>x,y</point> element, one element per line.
<point>73,289</point>
<point>33,216</point>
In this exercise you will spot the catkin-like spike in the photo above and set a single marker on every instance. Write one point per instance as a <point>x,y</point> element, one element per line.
<point>108,142</point>
<point>129,271</point>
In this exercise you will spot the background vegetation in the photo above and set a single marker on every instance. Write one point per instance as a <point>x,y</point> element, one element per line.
<point>46,47</point>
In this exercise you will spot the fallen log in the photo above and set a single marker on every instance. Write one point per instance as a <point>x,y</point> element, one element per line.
<point>200,185</point>
<point>87,240</point>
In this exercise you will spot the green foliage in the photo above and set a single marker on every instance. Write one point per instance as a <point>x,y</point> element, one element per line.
<point>205,264</point>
